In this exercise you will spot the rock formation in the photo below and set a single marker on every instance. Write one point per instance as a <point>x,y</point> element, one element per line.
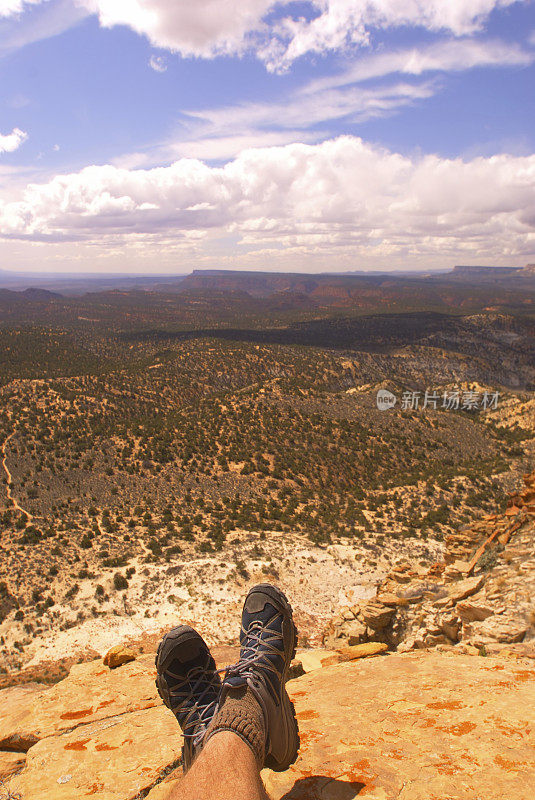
<point>118,656</point>
<point>411,726</point>
<point>480,595</point>
<point>432,720</point>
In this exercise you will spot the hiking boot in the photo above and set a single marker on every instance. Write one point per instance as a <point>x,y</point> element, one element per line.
<point>268,641</point>
<point>189,684</point>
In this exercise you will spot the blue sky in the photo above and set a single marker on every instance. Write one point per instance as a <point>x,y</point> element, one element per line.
<point>166,135</point>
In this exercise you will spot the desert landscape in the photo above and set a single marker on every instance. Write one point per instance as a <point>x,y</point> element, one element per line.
<point>175,467</point>
<point>267,372</point>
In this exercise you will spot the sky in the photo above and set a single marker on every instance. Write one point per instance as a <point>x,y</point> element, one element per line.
<point>171,135</point>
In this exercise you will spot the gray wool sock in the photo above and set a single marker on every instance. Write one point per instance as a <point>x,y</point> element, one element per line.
<point>242,714</point>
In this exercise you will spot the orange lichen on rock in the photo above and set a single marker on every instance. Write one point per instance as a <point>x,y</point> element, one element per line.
<point>446,704</point>
<point>309,714</point>
<point>80,745</point>
<point>85,712</point>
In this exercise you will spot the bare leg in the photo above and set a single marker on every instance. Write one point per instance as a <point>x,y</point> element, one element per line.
<point>225,770</point>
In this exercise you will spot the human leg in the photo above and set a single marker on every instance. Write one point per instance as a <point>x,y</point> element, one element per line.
<point>232,730</point>
<point>226,769</point>
<point>253,701</point>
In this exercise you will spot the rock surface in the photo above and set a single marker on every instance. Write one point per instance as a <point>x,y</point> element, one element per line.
<point>463,589</point>
<point>118,656</point>
<point>10,764</point>
<point>423,725</point>
<point>470,611</point>
<point>90,693</point>
<point>363,650</point>
<point>112,759</point>
<point>419,726</point>
<point>444,605</point>
<point>415,725</point>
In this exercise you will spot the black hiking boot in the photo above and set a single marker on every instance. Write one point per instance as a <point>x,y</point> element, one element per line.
<point>268,641</point>
<point>189,684</point>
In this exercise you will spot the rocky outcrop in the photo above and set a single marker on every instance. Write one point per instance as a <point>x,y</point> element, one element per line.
<point>524,499</point>
<point>470,611</point>
<point>446,605</point>
<point>502,629</point>
<point>118,656</point>
<point>369,621</point>
<point>113,759</point>
<point>463,589</point>
<point>29,716</point>
<point>412,726</point>
<point>10,764</point>
<point>64,736</point>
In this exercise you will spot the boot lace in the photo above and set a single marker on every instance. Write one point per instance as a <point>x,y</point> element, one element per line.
<point>192,692</point>
<point>261,646</point>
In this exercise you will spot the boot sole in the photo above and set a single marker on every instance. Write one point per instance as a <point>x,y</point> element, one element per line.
<point>294,742</point>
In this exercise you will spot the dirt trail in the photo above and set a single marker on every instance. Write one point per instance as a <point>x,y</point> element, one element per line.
<point>15,502</point>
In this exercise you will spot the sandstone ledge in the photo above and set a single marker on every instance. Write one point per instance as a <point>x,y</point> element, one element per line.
<point>422,725</point>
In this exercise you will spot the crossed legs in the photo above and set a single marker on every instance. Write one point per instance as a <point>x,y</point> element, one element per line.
<point>235,727</point>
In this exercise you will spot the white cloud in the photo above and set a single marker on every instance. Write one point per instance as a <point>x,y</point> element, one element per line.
<point>269,28</point>
<point>207,28</point>
<point>308,114</point>
<point>12,141</point>
<point>341,198</point>
<point>222,133</point>
<point>350,22</point>
<point>158,63</point>
<point>303,116</point>
<point>213,133</point>
<point>190,27</point>
<point>223,147</point>
<point>9,8</point>
<point>48,18</point>
<point>444,56</point>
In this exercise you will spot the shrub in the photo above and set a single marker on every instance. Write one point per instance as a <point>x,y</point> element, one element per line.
<point>37,594</point>
<point>242,570</point>
<point>72,591</point>
<point>116,561</point>
<point>155,547</point>
<point>488,559</point>
<point>119,581</point>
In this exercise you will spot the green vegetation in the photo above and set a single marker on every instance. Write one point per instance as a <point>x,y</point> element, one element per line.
<point>148,427</point>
